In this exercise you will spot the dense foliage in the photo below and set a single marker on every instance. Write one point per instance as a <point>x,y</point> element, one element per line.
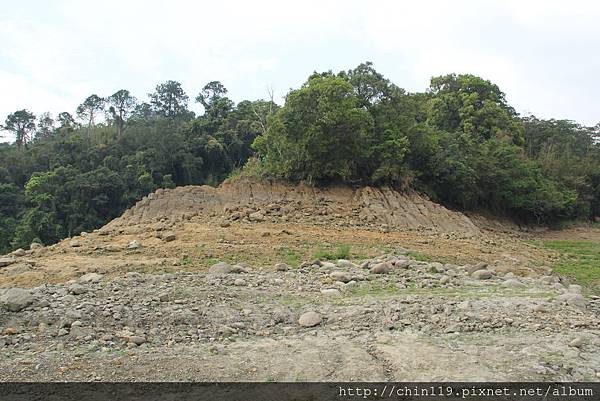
<point>59,179</point>
<point>459,142</point>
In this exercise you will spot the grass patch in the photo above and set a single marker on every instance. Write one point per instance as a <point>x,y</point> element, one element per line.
<point>420,256</point>
<point>580,261</point>
<point>342,251</point>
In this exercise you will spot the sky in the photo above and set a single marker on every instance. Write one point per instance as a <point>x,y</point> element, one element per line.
<point>544,54</point>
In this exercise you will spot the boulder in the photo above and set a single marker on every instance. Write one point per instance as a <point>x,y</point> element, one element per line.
<point>6,261</point>
<point>381,268</point>
<point>482,274</point>
<point>310,319</point>
<point>221,268</point>
<point>282,267</point>
<point>90,278</point>
<point>15,299</point>
<point>35,245</point>
<point>345,264</point>
<point>340,276</point>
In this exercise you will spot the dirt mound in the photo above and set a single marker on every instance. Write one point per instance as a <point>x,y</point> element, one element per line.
<point>381,208</point>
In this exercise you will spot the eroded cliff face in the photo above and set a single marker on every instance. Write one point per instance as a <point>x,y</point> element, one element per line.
<point>381,208</point>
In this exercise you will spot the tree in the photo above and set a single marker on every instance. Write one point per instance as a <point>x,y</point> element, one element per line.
<point>89,109</point>
<point>21,123</point>
<point>474,106</point>
<point>169,99</point>
<point>122,105</point>
<point>45,126</point>
<point>65,119</point>
<point>216,105</point>
<point>319,134</point>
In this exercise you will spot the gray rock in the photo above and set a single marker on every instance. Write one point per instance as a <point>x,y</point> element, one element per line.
<point>403,264</point>
<point>282,267</point>
<point>220,268</point>
<point>482,274</point>
<point>6,261</point>
<point>340,276</point>
<point>576,342</point>
<point>310,319</point>
<point>572,299</point>
<point>444,280</point>
<point>77,289</point>
<point>239,282</point>
<point>346,264</point>
<point>365,265</point>
<point>137,340</point>
<point>19,252</point>
<point>35,245</point>
<point>226,268</point>
<point>513,283</point>
<point>331,292</point>
<point>256,216</point>
<point>135,244</point>
<point>328,265</point>
<point>168,237</point>
<point>574,288</point>
<point>15,299</point>
<point>90,278</point>
<point>381,268</point>
<point>436,267</point>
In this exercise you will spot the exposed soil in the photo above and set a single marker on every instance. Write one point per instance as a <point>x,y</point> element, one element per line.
<point>153,311</point>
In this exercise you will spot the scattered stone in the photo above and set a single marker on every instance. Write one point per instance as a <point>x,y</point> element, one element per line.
<point>256,216</point>
<point>340,276</point>
<point>365,265</point>
<point>220,268</point>
<point>403,264</point>
<point>513,283</point>
<point>576,343</point>
<point>224,224</point>
<point>310,319</point>
<point>444,280</point>
<point>482,274</point>
<point>137,340</point>
<point>19,252</point>
<point>15,299</point>
<point>7,261</point>
<point>436,267</point>
<point>135,244</point>
<point>168,237</point>
<point>74,244</point>
<point>327,265</point>
<point>345,264</point>
<point>331,292</point>
<point>77,289</point>
<point>381,268</point>
<point>572,299</point>
<point>574,288</point>
<point>282,267</point>
<point>90,278</point>
<point>239,282</point>
<point>35,245</point>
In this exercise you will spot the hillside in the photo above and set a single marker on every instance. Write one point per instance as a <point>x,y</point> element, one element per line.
<point>256,281</point>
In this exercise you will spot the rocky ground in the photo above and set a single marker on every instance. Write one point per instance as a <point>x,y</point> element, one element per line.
<point>389,318</point>
<point>246,283</point>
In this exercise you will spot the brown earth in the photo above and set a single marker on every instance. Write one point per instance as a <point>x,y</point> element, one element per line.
<point>154,312</point>
<point>262,224</point>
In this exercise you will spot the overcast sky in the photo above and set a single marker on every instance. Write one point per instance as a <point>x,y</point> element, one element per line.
<point>544,54</point>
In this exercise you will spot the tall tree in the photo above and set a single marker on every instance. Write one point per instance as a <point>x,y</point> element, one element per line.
<point>45,126</point>
<point>21,123</point>
<point>170,99</point>
<point>122,105</point>
<point>89,109</point>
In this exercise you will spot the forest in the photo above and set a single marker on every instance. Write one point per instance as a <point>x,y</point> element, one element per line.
<point>459,142</point>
